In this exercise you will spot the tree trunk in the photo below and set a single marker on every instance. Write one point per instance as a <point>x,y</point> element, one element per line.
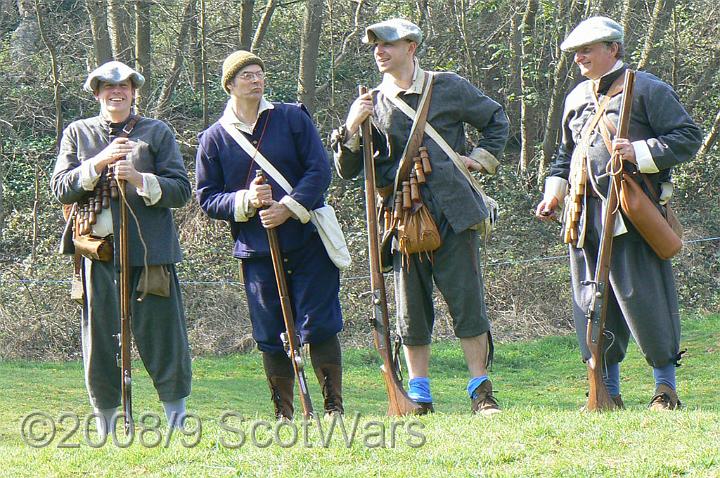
<point>40,15</point>
<point>195,53</point>
<point>170,82</point>
<point>626,20</point>
<point>143,52</point>
<point>515,66</point>
<point>347,43</point>
<point>703,84</point>
<point>245,34</point>
<point>263,25</point>
<point>711,137</point>
<point>24,40</point>
<point>461,25</point>
<point>527,133</point>
<point>97,13</point>
<point>309,48</point>
<point>563,67</point>
<point>203,63</point>
<point>119,28</point>
<point>654,25</point>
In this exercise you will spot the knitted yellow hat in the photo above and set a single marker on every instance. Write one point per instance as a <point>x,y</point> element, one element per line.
<point>235,62</point>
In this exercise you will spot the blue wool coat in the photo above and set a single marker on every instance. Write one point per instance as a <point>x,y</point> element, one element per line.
<point>223,168</point>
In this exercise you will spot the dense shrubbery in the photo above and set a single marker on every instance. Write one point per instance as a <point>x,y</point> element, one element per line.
<point>527,283</point>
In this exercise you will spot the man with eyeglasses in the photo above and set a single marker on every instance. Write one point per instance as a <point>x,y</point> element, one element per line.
<point>227,189</point>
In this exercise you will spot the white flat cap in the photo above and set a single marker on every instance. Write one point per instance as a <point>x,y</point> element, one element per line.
<point>393,30</point>
<point>112,72</point>
<point>593,30</point>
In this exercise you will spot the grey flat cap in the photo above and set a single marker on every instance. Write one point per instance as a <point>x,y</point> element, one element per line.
<point>393,30</point>
<point>113,72</point>
<point>593,30</point>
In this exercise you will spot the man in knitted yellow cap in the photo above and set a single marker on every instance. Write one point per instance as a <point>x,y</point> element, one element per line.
<point>281,139</point>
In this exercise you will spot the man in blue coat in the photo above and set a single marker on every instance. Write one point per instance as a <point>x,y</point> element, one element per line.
<point>227,189</point>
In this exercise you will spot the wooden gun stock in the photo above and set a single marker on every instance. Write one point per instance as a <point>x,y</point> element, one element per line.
<point>598,397</point>
<point>291,340</point>
<point>125,314</point>
<point>399,402</point>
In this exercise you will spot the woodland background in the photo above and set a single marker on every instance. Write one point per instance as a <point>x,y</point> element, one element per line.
<point>313,53</point>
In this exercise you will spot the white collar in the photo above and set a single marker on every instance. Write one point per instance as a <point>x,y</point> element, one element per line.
<point>229,115</point>
<point>389,88</point>
<point>618,64</point>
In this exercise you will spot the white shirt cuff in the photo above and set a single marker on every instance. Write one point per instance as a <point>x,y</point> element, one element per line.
<point>666,192</point>
<point>353,142</point>
<point>88,176</point>
<point>243,210</point>
<point>556,187</point>
<point>296,208</point>
<point>150,192</point>
<point>483,157</point>
<point>644,158</point>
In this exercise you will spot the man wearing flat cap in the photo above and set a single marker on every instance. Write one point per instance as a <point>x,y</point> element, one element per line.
<point>143,153</point>
<point>456,206</point>
<point>643,299</point>
<point>281,139</point>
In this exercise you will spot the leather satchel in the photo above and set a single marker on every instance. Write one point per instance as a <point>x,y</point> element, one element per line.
<point>94,248</point>
<point>417,232</point>
<point>648,219</point>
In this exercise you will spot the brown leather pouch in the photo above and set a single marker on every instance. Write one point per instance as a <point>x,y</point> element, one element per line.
<point>417,232</point>
<point>647,218</point>
<point>155,280</point>
<point>94,248</point>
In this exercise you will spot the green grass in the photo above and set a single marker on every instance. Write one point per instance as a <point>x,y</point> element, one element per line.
<point>541,433</point>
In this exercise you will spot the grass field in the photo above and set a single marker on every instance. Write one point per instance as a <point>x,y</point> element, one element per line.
<point>541,432</point>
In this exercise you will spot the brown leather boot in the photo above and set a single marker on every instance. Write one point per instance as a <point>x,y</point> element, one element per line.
<point>484,402</point>
<point>665,398</point>
<point>618,402</point>
<point>326,359</point>
<point>425,408</point>
<point>281,379</point>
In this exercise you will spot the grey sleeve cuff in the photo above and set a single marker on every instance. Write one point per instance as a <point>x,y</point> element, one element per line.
<point>483,157</point>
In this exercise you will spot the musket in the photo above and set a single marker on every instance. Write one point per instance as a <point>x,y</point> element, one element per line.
<point>399,403</point>
<point>125,335</point>
<point>598,396</point>
<point>290,338</point>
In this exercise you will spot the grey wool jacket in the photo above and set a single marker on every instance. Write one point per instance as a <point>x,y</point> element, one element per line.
<point>657,118</point>
<point>157,153</point>
<point>454,103</point>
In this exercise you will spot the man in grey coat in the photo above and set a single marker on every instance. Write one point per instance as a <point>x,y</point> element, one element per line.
<point>451,200</point>
<point>643,299</point>
<point>146,157</point>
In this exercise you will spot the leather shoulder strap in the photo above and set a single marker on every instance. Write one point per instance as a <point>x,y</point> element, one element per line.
<point>416,132</point>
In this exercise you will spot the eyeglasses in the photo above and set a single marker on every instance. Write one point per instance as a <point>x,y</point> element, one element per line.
<point>251,76</point>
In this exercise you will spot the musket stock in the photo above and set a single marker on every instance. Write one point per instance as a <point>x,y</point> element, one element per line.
<point>399,402</point>
<point>598,397</point>
<point>291,341</point>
